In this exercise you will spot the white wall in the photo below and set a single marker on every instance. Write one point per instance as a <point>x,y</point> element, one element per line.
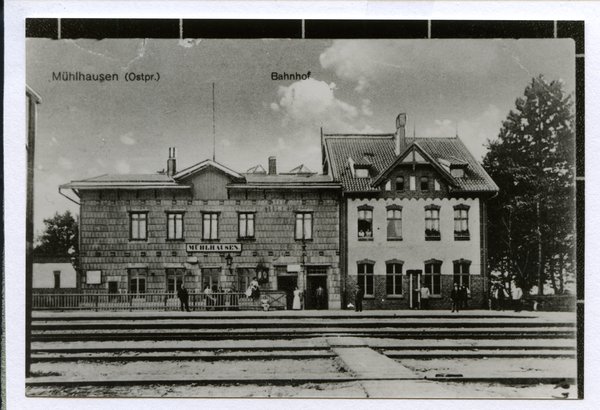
<point>43,275</point>
<point>414,250</point>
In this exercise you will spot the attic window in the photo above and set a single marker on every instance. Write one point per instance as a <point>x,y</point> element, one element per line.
<point>362,172</point>
<point>457,172</point>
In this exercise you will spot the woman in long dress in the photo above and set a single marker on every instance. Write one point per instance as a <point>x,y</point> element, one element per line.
<point>297,293</point>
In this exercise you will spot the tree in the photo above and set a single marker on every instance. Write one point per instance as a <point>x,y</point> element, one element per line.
<point>532,219</point>
<point>61,236</point>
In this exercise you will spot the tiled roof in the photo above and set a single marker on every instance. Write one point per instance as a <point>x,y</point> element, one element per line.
<point>454,150</point>
<point>382,148</point>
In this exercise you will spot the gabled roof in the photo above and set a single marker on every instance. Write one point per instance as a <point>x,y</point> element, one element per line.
<point>258,169</point>
<point>301,169</point>
<point>340,148</point>
<point>204,165</point>
<point>414,146</point>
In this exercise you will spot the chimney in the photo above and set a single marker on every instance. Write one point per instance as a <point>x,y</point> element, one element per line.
<point>272,166</point>
<point>400,133</point>
<point>172,162</point>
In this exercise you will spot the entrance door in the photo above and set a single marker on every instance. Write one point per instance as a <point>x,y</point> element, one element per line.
<point>287,284</point>
<point>312,285</point>
<point>414,277</point>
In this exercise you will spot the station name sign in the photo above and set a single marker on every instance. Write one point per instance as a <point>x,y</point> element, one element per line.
<point>216,247</point>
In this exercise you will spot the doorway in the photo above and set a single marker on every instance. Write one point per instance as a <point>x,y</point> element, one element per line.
<point>414,286</point>
<point>312,284</point>
<point>287,284</point>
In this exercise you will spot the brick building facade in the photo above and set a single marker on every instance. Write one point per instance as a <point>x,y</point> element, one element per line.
<point>208,225</point>
<point>413,214</point>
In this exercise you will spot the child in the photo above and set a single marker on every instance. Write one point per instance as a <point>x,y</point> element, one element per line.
<point>264,302</point>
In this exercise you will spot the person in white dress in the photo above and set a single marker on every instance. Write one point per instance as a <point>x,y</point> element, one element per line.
<point>297,305</point>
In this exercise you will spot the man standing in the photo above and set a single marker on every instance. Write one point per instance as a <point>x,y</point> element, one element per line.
<point>358,298</point>
<point>424,297</point>
<point>517,296</point>
<point>320,296</point>
<point>182,294</point>
<point>455,296</point>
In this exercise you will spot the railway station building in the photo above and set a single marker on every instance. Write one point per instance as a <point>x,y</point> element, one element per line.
<point>413,213</point>
<point>208,225</point>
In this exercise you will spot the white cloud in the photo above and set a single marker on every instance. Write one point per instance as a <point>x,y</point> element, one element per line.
<point>126,138</point>
<point>366,61</point>
<point>122,167</point>
<point>312,103</point>
<point>366,107</point>
<point>473,132</point>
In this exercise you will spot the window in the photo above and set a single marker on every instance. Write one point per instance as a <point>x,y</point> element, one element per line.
<point>424,183</point>
<point>303,225</point>
<point>457,172</point>
<point>362,173</point>
<point>432,278</point>
<point>399,183</point>
<point>432,223</point>
<point>394,222</point>
<point>175,226</point>
<point>365,221</point>
<point>393,277</point>
<point>388,185</point>
<point>245,276</point>
<point>412,183</point>
<point>174,280</point>
<point>461,223</point>
<point>113,287</point>
<point>138,226</point>
<point>210,226</point>
<point>56,279</point>
<point>246,225</point>
<point>365,276</point>
<point>461,272</point>
<point>436,185</point>
<point>210,278</point>
<point>137,281</point>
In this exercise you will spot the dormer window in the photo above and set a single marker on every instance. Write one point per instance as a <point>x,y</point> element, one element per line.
<point>424,183</point>
<point>362,173</point>
<point>457,172</point>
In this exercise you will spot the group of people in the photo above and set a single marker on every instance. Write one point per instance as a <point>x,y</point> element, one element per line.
<point>363,234</point>
<point>216,298</point>
<point>500,298</point>
<point>460,297</point>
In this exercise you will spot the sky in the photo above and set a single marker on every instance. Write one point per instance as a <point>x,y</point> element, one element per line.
<point>86,129</point>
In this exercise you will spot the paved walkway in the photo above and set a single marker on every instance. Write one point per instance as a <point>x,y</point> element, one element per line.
<point>385,378</point>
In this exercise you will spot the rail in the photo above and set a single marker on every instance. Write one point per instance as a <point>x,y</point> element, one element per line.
<point>157,301</point>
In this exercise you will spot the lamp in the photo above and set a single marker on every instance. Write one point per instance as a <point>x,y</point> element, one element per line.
<point>228,259</point>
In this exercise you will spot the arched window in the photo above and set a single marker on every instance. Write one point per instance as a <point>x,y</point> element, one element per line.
<point>424,183</point>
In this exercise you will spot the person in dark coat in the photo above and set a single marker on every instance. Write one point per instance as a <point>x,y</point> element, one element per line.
<point>320,297</point>
<point>358,298</point>
<point>455,295</point>
<point>183,295</point>
<point>464,297</point>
